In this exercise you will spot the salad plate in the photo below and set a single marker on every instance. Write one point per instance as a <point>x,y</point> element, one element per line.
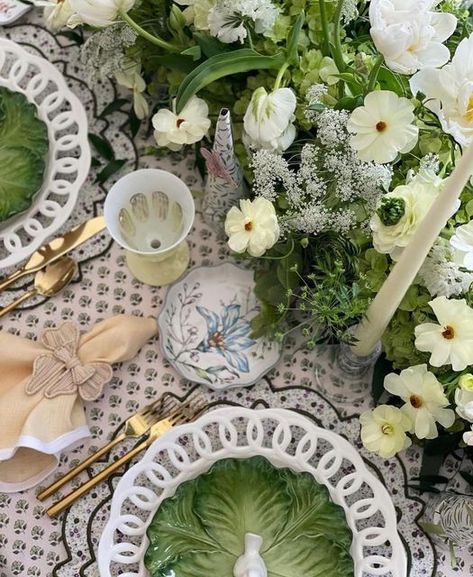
<point>205,328</point>
<point>192,478</point>
<point>34,92</point>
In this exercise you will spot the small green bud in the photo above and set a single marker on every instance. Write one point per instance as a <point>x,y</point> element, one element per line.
<point>177,20</point>
<point>391,210</point>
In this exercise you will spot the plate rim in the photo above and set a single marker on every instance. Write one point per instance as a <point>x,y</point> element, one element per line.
<point>200,381</point>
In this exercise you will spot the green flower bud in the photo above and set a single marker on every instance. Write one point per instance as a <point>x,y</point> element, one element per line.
<point>391,210</point>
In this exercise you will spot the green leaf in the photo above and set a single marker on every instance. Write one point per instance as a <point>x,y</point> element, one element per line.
<point>220,65</point>
<point>72,35</point>
<point>209,45</point>
<point>110,169</point>
<point>194,51</point>
<point>178,62</point>
<point>293,39</point>
<point>102,146</point>
<point>113,107</point>
<point>382,368</point>
<point>268,288</point>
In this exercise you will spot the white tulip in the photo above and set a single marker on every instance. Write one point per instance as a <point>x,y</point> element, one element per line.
<point>189,126</point>
<point>462,242</point>
<point>383,127</point>
<point>253,227</point>
<point>57,13</point>
<point>450,342</point>
<point>449,92</point>
<point>268,119</point>
<point>410,35</point>
<point>98,13</point>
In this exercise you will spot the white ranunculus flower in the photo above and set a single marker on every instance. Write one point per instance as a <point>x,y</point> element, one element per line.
<point>130,77</point>
<point>410,34</point>
<point>425,401</point>
<point>462,242</point>
<point>464,397</point>
<point>253,227</point>
<point>383,127</point>
<point>189,126</point>
<point>451,341</point>
<point>268,119</point>
<point>383,430</point>
<point>57,13</point>
<point>98,13</point>
<point>449,92</point>
<point>401,212</point>
<point>468,437</point>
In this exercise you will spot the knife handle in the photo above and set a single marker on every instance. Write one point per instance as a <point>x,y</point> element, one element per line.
<point>6,282</point>
<point>18,301</point>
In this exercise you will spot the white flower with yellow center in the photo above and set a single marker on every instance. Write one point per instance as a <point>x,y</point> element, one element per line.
<point>98,13</point>
<point>189,126</point>
<point>451,341</point>
<point>462,242</point>
<point>383,430</point>
<point>383,127</point>
<point>268,119</point>
<point>425,400</point>
<point>464,397</point>
<point>410,34</point>
<point>401,211</point>
<point>449,92</point>
<point>253,227</point>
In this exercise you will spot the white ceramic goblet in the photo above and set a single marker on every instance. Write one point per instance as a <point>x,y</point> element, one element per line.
<point>150,212</point>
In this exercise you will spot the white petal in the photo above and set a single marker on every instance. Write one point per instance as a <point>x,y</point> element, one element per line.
<point>238,242</point>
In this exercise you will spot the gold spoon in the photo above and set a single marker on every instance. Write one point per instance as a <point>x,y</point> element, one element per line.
<point>47,282</point>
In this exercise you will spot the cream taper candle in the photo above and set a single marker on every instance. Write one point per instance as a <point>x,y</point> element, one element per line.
<point>389,297</point>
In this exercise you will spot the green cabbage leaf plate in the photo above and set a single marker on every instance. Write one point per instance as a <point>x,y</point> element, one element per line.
<point>23,152</point>
<point>200,531</point>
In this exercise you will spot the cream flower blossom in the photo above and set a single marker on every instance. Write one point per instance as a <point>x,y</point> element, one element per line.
<point>383,430</point>
<point>268,119</point>
<point>253,227</point>
<point>410,34</point>
<point>449,92</point>
<point>468,437</point>
<point>57,13</point>
<point>464,397</point>
<point>98,13</point>
<point>189,126</point>
<point>462,242</point>
<point>130,77</point>
<point>451,341</point>
<point>401,212</point>
<point>425,400</point>
<point>383,127</point>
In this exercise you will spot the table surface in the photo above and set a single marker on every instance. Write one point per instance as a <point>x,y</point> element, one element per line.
<point>32,544</point>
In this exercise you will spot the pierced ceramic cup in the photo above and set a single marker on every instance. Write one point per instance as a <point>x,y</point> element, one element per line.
<point>150,212</point>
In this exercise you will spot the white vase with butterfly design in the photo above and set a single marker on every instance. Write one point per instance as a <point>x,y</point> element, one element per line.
<point>224,184</point>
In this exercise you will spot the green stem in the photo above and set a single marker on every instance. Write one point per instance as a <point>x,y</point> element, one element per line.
<point>374,73</point>
<point>337,52</point>
<point>284,256</point>
<point>281,72</point>
<point>325,30</point>
<point>147,36</point>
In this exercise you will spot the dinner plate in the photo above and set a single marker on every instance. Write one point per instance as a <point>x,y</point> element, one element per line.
<point>205,328</point>
<point>68,158</point>
<point>286,440</point>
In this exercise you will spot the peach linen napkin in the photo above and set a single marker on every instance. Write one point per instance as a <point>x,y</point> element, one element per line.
<point>43,385</point>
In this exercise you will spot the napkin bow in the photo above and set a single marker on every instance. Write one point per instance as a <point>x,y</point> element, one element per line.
<point>61,372</point>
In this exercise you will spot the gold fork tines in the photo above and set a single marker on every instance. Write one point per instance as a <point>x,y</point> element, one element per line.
<point>135,426</point>
<point>187,412</point>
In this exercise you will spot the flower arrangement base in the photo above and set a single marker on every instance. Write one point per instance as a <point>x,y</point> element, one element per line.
<point>449,520</point>
<point>341,375</point>
<point>159,270</point>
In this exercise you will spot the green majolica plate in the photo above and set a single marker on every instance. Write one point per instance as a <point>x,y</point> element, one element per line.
<point>23,151</point>
<point>200,531</point>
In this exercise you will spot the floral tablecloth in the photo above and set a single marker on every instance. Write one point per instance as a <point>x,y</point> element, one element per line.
<point>32,544</point>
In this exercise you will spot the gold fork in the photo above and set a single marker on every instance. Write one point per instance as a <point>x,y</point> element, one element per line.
<point>183,414</point>
<point>135,426</point>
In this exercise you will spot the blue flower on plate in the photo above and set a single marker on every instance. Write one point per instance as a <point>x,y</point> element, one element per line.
<point>227,334</point>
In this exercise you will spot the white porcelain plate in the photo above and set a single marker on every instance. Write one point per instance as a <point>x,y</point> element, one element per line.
<point>287,440</point>
<point>205,329</point>
<point>68,157</point>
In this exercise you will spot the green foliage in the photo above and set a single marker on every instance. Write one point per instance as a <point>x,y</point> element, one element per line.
<point>391,210</point>
<point>202,528</point>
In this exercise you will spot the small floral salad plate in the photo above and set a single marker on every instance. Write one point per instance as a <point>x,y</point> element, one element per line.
<point>205,328</point>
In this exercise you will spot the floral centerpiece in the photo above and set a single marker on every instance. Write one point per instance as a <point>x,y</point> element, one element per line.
<point>348,117</point>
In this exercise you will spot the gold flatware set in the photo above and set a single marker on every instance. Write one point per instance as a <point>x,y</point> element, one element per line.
<point>149,424</point>
<point>52,268</point>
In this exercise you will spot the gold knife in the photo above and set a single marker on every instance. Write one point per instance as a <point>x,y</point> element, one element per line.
<point>58,247</point>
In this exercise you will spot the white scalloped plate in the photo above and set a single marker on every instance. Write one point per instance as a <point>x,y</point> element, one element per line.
<point>69,152</point>
<point>285,439</point>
